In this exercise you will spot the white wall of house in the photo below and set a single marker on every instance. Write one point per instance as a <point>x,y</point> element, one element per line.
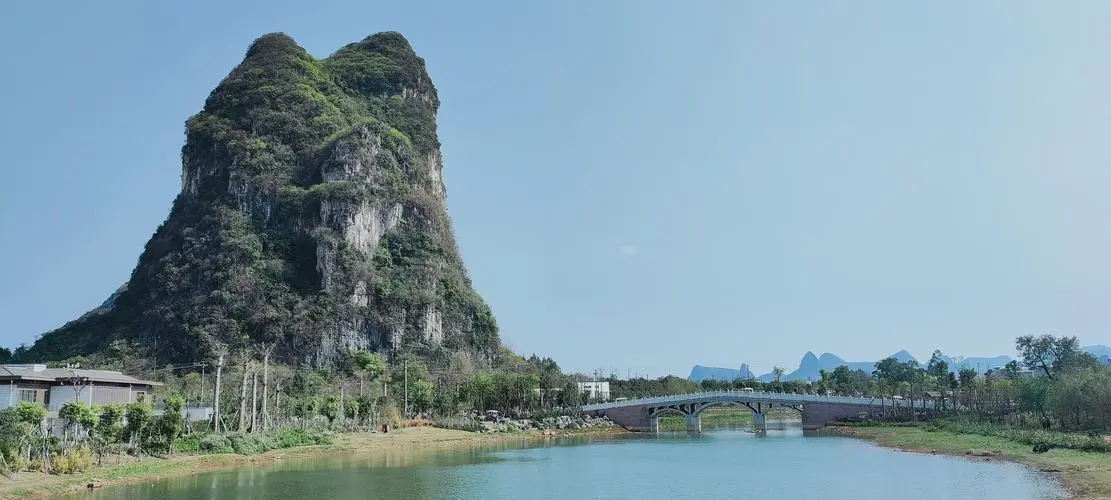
<point>7,395</point>
<point>95,395</point>
<point>62,394</point>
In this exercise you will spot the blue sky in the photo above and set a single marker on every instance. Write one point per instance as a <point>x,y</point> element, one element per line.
<point>636,186</point>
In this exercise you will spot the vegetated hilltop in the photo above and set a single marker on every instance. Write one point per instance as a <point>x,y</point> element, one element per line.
<point>311,216</point>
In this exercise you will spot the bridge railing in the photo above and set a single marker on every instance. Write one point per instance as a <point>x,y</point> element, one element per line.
<point>755,396</point>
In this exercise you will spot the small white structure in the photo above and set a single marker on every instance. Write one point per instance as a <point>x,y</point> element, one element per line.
<point>595,391</point>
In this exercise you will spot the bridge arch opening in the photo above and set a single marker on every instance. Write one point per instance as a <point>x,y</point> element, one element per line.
<point>725,404</point>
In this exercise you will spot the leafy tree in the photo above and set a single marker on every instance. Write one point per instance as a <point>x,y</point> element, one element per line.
<point>172,421</point>
<point>369,366</point>
<point>76,415</point>
<point>330,409</point>
<point>420,396</point>
<point>16,437</point>
<point>777,372</point>
<point>109,430</point>
<point>937,366</point>
<point>1052,355</point>
<point>444,402</point>
<point>967,378</point>
<point>30,413</point>
<point>139,416</point>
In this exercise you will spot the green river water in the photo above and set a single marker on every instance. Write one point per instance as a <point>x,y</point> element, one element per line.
<point>719,463</point>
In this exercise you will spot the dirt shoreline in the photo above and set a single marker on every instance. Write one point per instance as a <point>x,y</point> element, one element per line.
<point>35,485</point>
<point>1082,474</point>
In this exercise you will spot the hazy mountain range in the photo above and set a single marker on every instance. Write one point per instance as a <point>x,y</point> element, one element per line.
<point>810,365</point>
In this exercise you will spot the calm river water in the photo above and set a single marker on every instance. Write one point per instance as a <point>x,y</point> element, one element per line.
<point>720,463</point>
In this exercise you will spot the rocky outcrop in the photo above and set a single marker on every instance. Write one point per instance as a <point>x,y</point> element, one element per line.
<point>311,216</point>
<point>563,422</point>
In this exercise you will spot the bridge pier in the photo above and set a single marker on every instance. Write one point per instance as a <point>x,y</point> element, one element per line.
<point>694,422</point>
<point>759,417</point>
<point>760,422</point>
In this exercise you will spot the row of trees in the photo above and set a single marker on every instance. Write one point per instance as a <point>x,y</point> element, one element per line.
<point>25,443</point>
<point>364,390</point>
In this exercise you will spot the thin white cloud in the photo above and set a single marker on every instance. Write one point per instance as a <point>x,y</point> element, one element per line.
<point>628,250</point>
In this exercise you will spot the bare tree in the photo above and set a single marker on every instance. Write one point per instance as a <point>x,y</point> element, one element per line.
<point>254,401</point>
<point>266,350</point>
<point>216,392</point>
<point>246,360</point>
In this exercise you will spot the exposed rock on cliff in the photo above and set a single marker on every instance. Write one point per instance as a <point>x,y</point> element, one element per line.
<point>311,216</point>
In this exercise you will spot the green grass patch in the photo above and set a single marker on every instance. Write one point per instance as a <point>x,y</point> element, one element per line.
<point>1055,439</point>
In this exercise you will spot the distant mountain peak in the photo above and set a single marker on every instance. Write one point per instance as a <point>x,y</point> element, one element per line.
<point>903,356</point>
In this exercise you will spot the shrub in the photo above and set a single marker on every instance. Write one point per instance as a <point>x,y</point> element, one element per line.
<point>188,444</point>
<point>75,460</point>
<point>389,415</point>
<point>250,444</point>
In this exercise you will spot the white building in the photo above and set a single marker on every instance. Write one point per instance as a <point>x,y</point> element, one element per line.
<point>595,390</point>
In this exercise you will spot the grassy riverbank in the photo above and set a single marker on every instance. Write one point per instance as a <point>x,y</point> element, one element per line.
<point>1085,474</point>
<point>28,485</point>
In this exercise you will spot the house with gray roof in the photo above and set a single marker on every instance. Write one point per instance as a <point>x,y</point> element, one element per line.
<point>54,387</point>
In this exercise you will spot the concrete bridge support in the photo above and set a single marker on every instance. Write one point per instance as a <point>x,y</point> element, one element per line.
<point>759,416</point>
<point>760,422</point>
<point>694,422</point>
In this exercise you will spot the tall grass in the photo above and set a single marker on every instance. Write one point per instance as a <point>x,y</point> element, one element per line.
<point>1056,439</point>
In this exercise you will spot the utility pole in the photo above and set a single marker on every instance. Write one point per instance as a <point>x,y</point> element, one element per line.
<point>405,366</point>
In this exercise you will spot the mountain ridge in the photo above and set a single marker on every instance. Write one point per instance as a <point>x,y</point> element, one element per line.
<point>810,365</point>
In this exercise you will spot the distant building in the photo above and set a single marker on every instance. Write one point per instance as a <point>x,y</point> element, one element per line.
<point>595,390</point>
<point>1028,373</point>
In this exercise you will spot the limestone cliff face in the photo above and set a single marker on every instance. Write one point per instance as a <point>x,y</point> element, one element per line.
<point>311,216</point>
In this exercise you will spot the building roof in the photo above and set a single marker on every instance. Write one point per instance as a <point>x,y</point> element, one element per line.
<point>44,374</point>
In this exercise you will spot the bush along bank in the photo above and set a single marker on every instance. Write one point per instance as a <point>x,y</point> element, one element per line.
<point>250,444</point>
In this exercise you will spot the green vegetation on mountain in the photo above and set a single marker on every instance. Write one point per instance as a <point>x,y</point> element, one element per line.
<point>311,221</point>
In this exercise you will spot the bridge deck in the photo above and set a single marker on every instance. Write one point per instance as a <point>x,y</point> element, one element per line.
<point>747,396</point>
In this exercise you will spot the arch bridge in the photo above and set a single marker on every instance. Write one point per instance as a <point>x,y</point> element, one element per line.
<point>643,414</point>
